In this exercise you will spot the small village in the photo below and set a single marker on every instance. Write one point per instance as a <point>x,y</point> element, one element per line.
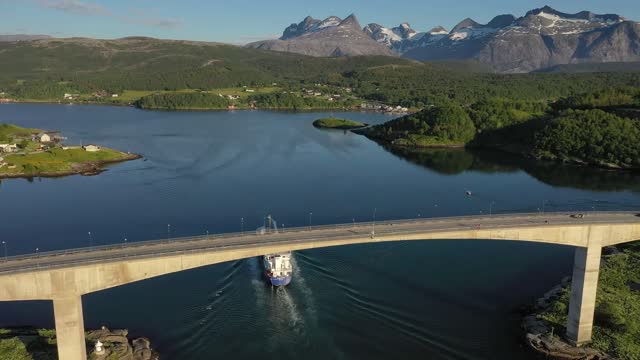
<point>23,143</point>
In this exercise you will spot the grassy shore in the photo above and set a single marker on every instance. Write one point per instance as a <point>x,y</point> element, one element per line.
<point>59,162</point>
<point>32,158</point>
<point>617,320</point>
<point>335,123</point>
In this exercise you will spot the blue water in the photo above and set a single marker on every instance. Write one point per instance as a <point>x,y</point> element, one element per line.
<point>220,171</point>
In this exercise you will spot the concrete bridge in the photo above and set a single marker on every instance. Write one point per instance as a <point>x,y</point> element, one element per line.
<point>65,276</point>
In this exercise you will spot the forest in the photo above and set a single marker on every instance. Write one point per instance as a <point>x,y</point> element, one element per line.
<point>582,129</point>
<point>45,70</point>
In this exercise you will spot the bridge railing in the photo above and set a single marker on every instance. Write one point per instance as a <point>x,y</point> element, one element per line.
<point>298,229</point>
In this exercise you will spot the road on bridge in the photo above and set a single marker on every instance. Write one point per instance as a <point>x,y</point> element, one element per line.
<point>103,254</point>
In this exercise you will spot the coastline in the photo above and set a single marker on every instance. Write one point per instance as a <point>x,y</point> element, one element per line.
<point>238,108</point>
<point>88,168</point>
<point>506,150</point>
<point>31,342</point>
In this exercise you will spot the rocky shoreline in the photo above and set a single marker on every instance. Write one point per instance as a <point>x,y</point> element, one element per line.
<point>116,346</point>
<point>548,341</point>
<point>89,168</point>
<point>102,344</point>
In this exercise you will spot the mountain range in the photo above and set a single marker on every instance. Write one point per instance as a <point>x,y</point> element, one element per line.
<point>540,39</point>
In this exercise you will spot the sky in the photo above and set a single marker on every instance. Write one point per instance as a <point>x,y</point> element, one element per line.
<point>243,21</point>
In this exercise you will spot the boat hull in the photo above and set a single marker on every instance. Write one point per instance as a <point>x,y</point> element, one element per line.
<point>278,280</point>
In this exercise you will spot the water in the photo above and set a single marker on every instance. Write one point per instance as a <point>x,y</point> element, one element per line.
<point>207,171</point>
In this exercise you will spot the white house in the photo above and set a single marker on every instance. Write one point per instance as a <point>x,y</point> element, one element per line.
<point>44,138</point>
<point>8,148</point>
<point>91,148</point>
<point>114,95</point>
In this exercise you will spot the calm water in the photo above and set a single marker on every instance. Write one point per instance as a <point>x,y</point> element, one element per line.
<point>205,171</point>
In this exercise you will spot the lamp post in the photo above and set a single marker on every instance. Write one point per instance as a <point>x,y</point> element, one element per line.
<point>37,258</point>
<point>4,245</point>
<point>207,234</point>
<point>242,225</point>
<point>90,239</point>
<point>544,202</point>
<point>491,208</point>
<point>310,215</point>
<point>168,231</point>
<point>373,229</point>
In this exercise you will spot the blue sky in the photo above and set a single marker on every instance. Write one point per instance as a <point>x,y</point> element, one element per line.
<point>242,21</point>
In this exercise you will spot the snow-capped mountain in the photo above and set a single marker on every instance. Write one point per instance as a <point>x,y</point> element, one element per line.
<point>397,39</point>
<point>541,38</point>
<point>329,37</point>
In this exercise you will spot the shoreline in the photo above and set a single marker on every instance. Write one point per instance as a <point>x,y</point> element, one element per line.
<point>131,105</point>
<point>31,342</point>
<point>575,163</point>
<point>90,168</point>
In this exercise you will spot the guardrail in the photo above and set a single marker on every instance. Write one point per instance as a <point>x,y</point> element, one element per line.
<point>87,261</point>
<point>300,229</point>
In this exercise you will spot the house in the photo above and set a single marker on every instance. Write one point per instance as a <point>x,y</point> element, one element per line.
<point>91,148</point>
<point>249,90</point>
<point>71,96</point>
<point>114,95</point>
<point>8,148</point>
<point>44,138</point>
<point>231,107</point>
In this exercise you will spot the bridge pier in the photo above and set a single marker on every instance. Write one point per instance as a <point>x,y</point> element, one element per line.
<point>582,306</point>
<point>70,328</point>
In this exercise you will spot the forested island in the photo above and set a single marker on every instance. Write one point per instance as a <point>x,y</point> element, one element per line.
<point>338,124</point>
<point>26,153</point>
<point>599,129</point>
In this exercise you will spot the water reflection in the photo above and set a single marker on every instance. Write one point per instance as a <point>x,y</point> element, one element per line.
<point>456,161</point>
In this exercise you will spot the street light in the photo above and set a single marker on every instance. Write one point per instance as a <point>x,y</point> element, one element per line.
<point>90,239</point>
<point>491,208</point>
<point>207,234</point>
<point>37,262</point>
<point>168,231</point>
<point>242,225</point>
<point>310,215</point>
<point>544,202</point>
<point>373,229</point>
<point>4,244</point>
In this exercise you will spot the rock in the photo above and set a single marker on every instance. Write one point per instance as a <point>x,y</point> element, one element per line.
<point>116,345</point>
<point>555,348</point>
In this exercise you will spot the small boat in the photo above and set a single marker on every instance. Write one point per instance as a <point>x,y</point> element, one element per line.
<point>278,268</point>
<point>468,192</point>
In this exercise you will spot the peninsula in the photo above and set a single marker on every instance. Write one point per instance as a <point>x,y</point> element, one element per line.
<point>26,153</point>
<point>599,129</point>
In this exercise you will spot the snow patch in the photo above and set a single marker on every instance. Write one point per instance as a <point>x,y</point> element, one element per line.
<point>457,36</point>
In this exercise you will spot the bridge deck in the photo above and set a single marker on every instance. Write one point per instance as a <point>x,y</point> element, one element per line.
<point>318,234</point>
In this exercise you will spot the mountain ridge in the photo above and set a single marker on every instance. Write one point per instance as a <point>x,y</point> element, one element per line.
<point>542,38</point>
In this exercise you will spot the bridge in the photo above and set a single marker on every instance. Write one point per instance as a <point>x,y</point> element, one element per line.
<point>64,276</point>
